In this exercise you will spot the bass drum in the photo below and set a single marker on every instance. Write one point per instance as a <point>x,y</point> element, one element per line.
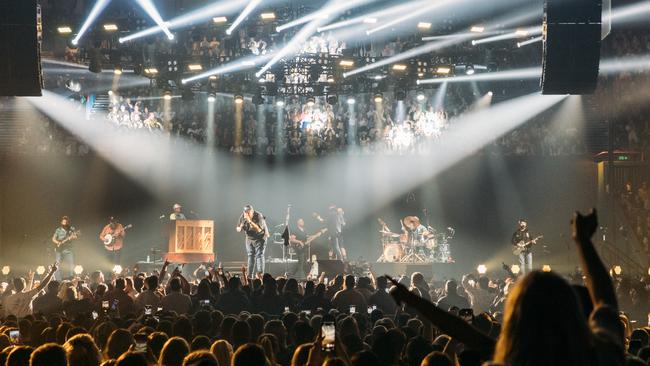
<point>393,253</point>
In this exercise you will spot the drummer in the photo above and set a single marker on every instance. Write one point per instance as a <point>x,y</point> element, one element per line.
<point>417,233</point>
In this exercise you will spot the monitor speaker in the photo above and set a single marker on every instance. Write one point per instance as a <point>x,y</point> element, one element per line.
<point>571,56</point>
<point>330,267</point>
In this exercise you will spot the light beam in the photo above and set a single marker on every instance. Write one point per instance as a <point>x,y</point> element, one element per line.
<point>94,13</point>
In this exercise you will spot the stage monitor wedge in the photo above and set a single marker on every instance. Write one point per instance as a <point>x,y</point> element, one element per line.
<point>571,56</point>
<point>20,60</point>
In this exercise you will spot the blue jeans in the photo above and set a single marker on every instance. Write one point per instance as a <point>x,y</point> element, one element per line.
<point>255,252</point>
<point>66,264</point>
<point>526,262</point>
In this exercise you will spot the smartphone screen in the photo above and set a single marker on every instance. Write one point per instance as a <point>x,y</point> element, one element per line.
<point>114,305</point>
<point>140,343</point>
<point>95,315</point>
<point>147,310</point>
<point>205,302</point>
<point>466,314</point>
<point>286,309</point>
<point>105,304</point>
<point>308,312</point>
<point>160,308</point>
<point>369,309</point>
<point>329,335</point>
<point>353,309</point>
<point>14,336</point>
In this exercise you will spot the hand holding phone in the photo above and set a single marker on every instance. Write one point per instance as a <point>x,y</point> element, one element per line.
<point>140,343</point>
<point>353,309</point>
<point>329,336</point>
<point>14,336</point>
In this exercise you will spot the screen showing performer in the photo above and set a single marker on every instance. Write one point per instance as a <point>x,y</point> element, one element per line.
<point>112,236</point>
<point>253,224</point>
<point>63,238</point>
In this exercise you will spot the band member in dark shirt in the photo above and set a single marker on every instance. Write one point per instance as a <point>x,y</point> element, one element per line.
<point>520,236</point>
<point>253,224</point>
<point>63,238</point>
<point>298,241</point>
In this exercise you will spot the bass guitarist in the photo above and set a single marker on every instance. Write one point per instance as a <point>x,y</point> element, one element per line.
<point>522,242</point>
<point>63,237</point>
<point>301,243</point>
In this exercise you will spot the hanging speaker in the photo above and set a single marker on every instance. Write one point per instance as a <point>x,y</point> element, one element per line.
<point>571,38</point>
<point>20,59</point>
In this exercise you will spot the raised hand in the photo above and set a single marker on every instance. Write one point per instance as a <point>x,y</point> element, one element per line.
<point>584,226</point>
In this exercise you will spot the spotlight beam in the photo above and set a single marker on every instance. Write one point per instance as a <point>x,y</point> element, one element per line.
<point>223,7</point>
<point>530,41</point>
<point>99,6</point>
<point>527,73</point>
<point>237,65</point>
<point>240,18</point>
<point>506,21</point>
<point>321,14</point>
<point>428,8</point>
<point>398,9</point>
<point>509,35</point>
<point>151,10</point>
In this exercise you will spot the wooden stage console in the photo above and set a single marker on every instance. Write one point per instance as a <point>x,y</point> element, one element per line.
<point>191,241</point>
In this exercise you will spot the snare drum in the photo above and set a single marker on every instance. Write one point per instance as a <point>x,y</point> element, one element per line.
<point>393,252</point>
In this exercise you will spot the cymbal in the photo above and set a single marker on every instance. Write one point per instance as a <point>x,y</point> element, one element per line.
<point>411,222</point>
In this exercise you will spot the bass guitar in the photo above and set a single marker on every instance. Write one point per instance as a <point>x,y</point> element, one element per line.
<point>109,239</point>
<point>524,246</point>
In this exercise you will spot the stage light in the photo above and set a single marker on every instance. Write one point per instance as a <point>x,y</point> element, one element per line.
<point>267,16</point>
<point>311,101</point>
<point>219,20</point>
<point>477,29</point>
<point>195,67</point>
<point>78,269</point>
<point>167,95</point>
<point>239,99</point>
<point>6,270</point>
<point>378,77</point>
<point>94,13</point>
<point>424,25</point>
<point>515,269</point>
<point>370,20</point>
<point>424,9</point>
<point>117,71</point>
<point>618,270</point>
<point>490,93</point>
<point>469,70</point>
<point>110,27</point>
<point>521,32</point>
<point>280,103</point>
<point>240,18</point>
<point>117,269</point>
<point>151,71</point>
<point>378,98</point>
<point>213,77</point>
<point>421,97</point>
<point>420,74</point>
<point>211,98</point>
<point>351,100</point>
<point>530,41</point>
<point>40,270</point>
<point>481,269</point>
<point>110,92</point>
<point>150,9</point>
<point>444,70</point>
<point>546,268</point>
<point>346,63</point>
<point>64,30</point>
<point>399,67</point>
<point>331,80</point>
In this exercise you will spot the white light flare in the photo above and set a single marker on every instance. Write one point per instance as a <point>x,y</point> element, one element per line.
<point>415,13</point>
<point>234,66</point>
<point>509,35</point>
<point>247,10</point>
<point>94,13</point>
<point>151,10</point>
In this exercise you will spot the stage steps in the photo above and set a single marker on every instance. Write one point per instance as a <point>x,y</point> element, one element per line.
<point>100,105</point>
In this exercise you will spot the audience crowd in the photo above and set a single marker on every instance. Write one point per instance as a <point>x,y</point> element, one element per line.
<point>212,317</point>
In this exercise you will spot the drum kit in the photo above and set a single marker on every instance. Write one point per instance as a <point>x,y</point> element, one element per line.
<point>416,244</point>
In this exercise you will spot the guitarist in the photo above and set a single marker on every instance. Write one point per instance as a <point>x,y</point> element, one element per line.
<point>63,237</point>
<point>298,239</point>
<point>522,235</point>
<point>116,232</point>
<point>253,224</point>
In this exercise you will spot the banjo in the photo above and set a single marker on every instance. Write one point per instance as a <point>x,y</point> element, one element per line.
<point>109,239</point>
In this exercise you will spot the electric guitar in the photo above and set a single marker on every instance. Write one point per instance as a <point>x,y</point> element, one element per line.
<point>109,239</point>
<point>524,246</point>
<point>63,244</point>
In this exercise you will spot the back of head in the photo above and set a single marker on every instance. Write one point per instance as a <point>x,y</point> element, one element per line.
<point>200,342</point>
<point>120,283</point>
<point>19,284</point>
<point>175,284</point>
<point>152,282</point>
<point>82,351</point>
<point>416,349</point>
<point>118,343</point>
<point>200,358</point>
<point>234,283</point>
<point>388,347</point>
<point>349,282</point>
<point>53,287</point>
<point>19,356</point>
<point>249,354</point>
<point>241,333</point>
<point>156,341</point>
<point>364,358</point>
<point>436,359</point>
<point>301,354</point>
<point>543,324</point>
<point>382,282</point>
<point>451,287</point>
<point>222,350</point>
<point>173,352</point>
<point>131,359</point>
